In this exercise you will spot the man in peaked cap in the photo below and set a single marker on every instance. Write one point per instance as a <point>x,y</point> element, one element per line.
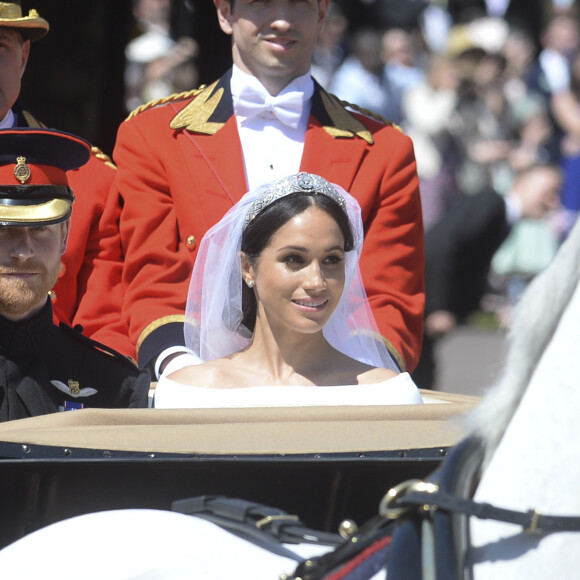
<point>46,368</point>
<point>71,302</point>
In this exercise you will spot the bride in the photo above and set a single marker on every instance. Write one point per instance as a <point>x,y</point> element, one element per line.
<point>276,300</point>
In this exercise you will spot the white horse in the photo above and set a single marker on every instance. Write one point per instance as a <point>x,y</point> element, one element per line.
<point>530,425</point>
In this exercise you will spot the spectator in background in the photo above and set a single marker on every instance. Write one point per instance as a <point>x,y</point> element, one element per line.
<point>532,243</point>
<point>518,51</point>
<point>518,13</point>
<point>533,132</point>
<point>481,125</point>
<point>156,64</point>
<point>460,247</point>
<point>560,40</point>
<point>435,22</point>
<point>360,80</point>
<point>329,51</point>
<point>566,111</point>
<point>401,67</point>
<point>544,117</point>
<point>429,110</point>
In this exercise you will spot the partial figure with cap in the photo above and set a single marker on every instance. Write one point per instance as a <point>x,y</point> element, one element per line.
<point>74,298</point>
<point>44,367</point>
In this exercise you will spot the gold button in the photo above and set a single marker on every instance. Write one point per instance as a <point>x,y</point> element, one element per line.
<point>190,242</point>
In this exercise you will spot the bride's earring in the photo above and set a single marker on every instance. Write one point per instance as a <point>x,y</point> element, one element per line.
<point>250,283</point>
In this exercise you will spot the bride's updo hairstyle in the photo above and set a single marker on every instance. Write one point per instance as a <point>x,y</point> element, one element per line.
<point>262,227</point>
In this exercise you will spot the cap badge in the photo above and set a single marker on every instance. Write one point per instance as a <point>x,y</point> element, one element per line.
<point>74,387</point>
<point>22,171</point>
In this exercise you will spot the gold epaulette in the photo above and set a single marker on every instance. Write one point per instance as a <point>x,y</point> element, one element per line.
<point>371,114</point>
<point>102,157</point>
<point>163,100</point>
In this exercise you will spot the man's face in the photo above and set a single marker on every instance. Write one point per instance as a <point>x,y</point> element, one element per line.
<point>273,39</point>
<point>14,53</point>
<point>29,267</point>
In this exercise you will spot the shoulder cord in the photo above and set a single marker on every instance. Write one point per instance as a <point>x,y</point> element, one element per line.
<point>164,100</point>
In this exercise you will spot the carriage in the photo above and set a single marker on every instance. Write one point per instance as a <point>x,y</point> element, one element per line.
<point>323,463</point>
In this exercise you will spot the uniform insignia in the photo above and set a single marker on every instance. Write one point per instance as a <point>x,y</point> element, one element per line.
<point>345,125</point>
<point>22,171</point>
<point>73,389</point>
<point>195,117</point>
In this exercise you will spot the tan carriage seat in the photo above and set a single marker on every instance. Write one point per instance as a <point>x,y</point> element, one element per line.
<point>251,431</point>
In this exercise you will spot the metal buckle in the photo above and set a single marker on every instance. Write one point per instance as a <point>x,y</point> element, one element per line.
<point>387,508</point>
<point>269,519</point>
<point>533,527</point>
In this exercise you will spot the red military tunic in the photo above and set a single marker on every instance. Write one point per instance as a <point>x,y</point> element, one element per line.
<point>180,168</point>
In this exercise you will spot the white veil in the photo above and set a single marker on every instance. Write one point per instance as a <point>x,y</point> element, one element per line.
<point>214,307</point>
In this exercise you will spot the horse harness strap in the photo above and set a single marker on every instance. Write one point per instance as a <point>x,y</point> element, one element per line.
<point>428,497</point>
<point>255,520</point>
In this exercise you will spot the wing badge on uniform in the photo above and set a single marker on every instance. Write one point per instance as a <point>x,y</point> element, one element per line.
<point>73,389</point>
<point>195,117</point>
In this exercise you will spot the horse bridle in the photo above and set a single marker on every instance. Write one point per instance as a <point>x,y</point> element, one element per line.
<point>416,494</point>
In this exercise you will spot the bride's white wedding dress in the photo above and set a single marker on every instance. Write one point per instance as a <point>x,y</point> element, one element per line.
<point>400,390</point>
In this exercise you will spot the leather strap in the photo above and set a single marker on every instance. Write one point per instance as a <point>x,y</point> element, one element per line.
<point>254,519</point>
<point>532,521</point>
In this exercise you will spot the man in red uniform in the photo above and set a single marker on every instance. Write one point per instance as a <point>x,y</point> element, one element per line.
<point>93,179</point>
<point>184,161</point>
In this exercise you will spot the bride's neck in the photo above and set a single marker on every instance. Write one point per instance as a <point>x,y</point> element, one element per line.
<point>287,356</point>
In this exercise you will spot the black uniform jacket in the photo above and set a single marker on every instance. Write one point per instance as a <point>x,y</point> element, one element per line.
<point>458,253</point>
<point>45,368</point>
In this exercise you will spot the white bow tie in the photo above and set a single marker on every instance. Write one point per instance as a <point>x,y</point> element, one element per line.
<point>286,107</point>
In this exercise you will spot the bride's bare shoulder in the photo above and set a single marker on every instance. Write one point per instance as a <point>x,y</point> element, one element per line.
<point>208,374</point>
<point>376,375</point>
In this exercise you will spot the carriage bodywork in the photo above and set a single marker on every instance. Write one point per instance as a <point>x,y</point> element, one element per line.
<point>323,463</point>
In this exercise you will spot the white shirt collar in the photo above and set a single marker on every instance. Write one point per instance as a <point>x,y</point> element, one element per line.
<point>8,121</point>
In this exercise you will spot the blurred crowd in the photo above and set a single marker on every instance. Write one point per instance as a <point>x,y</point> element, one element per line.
<point>482,98</point>
<point>156,64</point>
